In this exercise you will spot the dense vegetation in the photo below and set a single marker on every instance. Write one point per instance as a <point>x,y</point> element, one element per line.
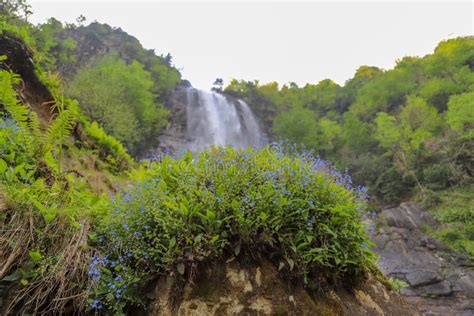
<point>177,214</point>
<point>200,208</point>
<point>404,133</point>
<point>117,82</point>
<point>83,227</point>
<point>45,206</point>
<point>127,110</point>
<point>398,131</point>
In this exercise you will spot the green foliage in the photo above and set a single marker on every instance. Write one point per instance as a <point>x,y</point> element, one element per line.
<point>323,96</point>
<point>12,10</point>
<point>397,284</point>
<point>456,212</point>
<point>297,126</point>
<point>460,115</point>
<point>386,132</point>
<point>115,154</point>
<point>120,98</point>
<point>43,232</point>
<point>413,124</point>
<point>185,212</point>
<point>356,134</point>
<point>383,93</point>
<point>436,92</point>
<point>53,51</point>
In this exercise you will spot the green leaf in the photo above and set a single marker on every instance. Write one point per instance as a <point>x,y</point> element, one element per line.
<point>3,166</point>
<point>24,282</point>
<point>214,239</point>
<point>19,168</point>
<point>49,217</point>
<point>38,205</point>
<point>13,277</point>
<point>210,214</point>
<point>172,242</point>
<point>35,256</point>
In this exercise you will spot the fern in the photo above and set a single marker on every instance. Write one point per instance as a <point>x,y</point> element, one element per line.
<point>9,99</point>
<point>48,145</point>
<point>35,129</point>
<point>60,130</point>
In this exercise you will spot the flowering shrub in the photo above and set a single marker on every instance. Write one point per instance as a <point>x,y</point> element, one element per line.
<point>298,210</point>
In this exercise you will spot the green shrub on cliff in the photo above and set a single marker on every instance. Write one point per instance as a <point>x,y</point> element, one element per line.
<point>180,213</point>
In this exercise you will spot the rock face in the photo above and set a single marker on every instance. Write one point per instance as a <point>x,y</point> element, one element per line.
<point>33,92</point>
<point>173,136</point>
<point>232,289</point>
<point>441,282</point>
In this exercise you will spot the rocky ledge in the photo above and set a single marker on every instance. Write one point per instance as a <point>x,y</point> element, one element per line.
<point>231,288</point>
<point>441,281</point>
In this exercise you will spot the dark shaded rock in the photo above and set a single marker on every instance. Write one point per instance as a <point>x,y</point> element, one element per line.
<point>442,288</point>
<point>420,277</point>
<point>31,90</point>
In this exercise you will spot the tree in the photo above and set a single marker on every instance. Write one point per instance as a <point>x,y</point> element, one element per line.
<point>80,20</point>
<point>217,85</point>
<point>387,132</point>
<point>460,115</point>
<point>119,96</point>
<point>329,134</point>
<point>297,126</point>
<point>18,9</point>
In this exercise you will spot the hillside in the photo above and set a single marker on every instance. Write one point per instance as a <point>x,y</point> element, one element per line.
<point>49,186</point>
<point>85,229</point>
<point>243,208</point>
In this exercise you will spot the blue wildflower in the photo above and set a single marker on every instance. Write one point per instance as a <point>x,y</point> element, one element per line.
<point>96,304</point>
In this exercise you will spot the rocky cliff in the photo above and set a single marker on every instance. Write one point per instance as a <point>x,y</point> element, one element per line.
<point>441,281</point>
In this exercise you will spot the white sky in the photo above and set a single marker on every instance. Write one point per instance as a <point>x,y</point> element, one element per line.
<point>275,41</point>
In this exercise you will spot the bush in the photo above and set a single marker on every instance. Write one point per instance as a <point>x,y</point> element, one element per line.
<point>456,212</point>
<point>297,210</point>
<point>115,154</point>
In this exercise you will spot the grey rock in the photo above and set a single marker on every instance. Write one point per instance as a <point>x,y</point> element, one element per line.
<point>442,288</point>
<point>441,281</point>
<point>422,277</point>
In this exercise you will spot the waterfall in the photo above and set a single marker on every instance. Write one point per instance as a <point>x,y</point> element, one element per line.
<point>200,119</point>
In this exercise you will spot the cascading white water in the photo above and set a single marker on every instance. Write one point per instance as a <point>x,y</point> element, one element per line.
<point>213,119</point>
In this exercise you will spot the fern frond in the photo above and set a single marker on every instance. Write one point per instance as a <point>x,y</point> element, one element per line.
<point>9,99</point>
<point>35,129</point>
<point>62,126</point>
